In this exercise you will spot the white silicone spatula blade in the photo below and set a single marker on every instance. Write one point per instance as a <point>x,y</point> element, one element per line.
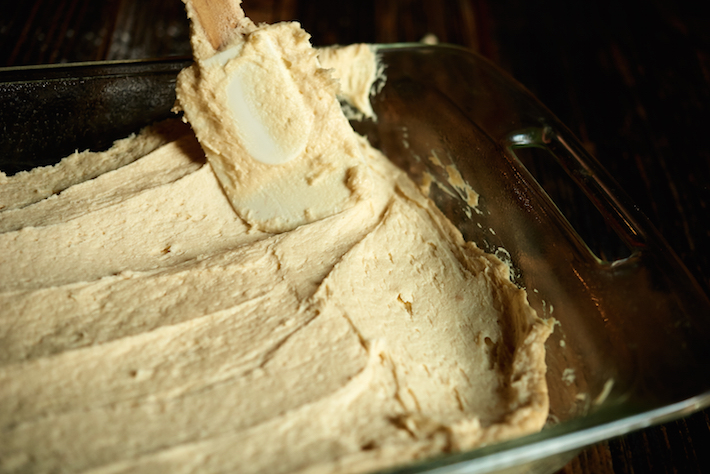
<point>266,115</point>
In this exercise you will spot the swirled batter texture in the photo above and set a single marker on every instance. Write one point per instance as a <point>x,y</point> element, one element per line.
<point>145,327</point>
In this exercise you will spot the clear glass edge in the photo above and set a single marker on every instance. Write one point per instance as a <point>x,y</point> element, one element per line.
<point>566,437</point>
<point>83,64</point>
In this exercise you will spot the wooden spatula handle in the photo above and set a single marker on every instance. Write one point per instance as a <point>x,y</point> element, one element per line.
<point>217,17</point>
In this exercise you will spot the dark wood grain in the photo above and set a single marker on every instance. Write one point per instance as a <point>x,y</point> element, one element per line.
<point>630,78</point>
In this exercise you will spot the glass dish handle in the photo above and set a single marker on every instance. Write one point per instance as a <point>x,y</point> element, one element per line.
<point>631,226</point>
<point>638,293</point>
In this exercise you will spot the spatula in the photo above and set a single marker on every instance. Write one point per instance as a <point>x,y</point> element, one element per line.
<point>266,115</point>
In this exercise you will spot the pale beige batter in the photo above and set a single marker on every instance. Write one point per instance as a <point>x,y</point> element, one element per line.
<point>146,327</point>
<point>361,340</point>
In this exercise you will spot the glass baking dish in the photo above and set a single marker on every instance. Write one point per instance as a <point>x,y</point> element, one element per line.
<point>632,347</point>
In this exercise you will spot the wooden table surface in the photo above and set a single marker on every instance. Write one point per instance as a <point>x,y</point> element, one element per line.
<point>630,78</point>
